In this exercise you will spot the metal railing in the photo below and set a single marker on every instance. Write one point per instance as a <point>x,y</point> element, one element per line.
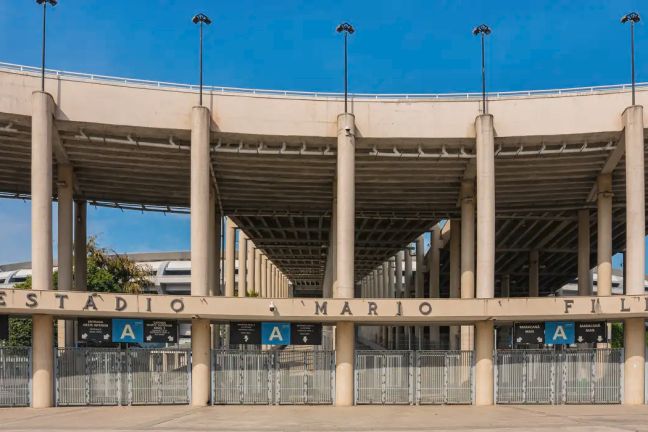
<point>15,376</point>
<point>99,376</point>
<point>384,377</point>
<point>559,377</point>
<point>444,377</point>
<point>243,377</point>
<point>77,76</point>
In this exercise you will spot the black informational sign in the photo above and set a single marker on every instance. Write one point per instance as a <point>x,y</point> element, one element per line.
<point>160,331</point>
<point>4,327</point>
<point>94,330</point>
<point>245,333</point>
<point>528,333</point>
<point>306,334</point>
<point>591,332</point>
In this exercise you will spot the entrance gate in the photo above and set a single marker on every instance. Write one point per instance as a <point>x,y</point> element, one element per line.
<point>559,377</point>
<point>272,377</point>
<point>96,376</point>
<point>384,377</point>
<point>15,376</point>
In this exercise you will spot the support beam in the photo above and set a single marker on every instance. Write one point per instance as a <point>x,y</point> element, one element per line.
<point>584,282</point>
<point>345,220</point>
<point>420,266</point>
<point>41,245</point>
<point>485,176</point>
<point>467,254</point>
<point>455,276</point>
<point>484,379</point>
<point>230,260</point>
<point>250,267</point>
<point>264,276</point>
<point>213,252</point>
<point>242,272</point>
<point>408,273</point>
<point>80,246</point>
<point>65,189</point>
<point>604,236</point>
<point>200,244</point>
<point>257,272</point>
<point>534,273</point>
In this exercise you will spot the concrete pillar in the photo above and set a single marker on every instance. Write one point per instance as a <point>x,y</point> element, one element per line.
<point>467,254</point>
<point>250,267</point>
<point>242,259</point>
<point>273,288</point>
<point>604,236</point>
<point>534,273</point>
<point>584,283</point>
<point>420,266</point>
<point>434,287</point>
<point>398,274</point>
<point>484,346</point>
<point>269,278</point>
<point>41,245</point>
<point>408,273</point>
<point>264,276</point>
<point>345,264</point>
<point>80,246</point>
<point>65,246</point>
<point>230,260</point>
<point>385,294</point>
<point>485,149</point>
<point>634,259</point>
<point>455,276</point>
<point>257,271</point>
<point>213,251</point>
<point>200,245</point>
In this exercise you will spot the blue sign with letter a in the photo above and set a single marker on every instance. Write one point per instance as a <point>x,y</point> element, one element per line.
<point>128,330</point>
<point>560,333</point>
<point>273,333</point>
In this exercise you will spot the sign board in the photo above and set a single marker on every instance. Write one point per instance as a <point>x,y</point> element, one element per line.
<point>559,332</point>
<point>275,333</point>
<point>160,331</point>
<point>128,331</point>
<point>94,331</point>
<point>591,332</point>
<point>306,334</point>
<point>245,333</point>
<point>4,327</point>
<point>529,333</point>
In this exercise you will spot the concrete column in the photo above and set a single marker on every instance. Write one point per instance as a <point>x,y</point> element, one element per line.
<point>242,259</point>
<point>604,236</point>
<point>230,260</point>
<point>385,294</point>
<point>65,246</point>
<point>264,276</point>
<point>484,346</point>
<point>467,254</point>
<point>634,259</point>
<point>250,266</point>
<point>269,278</point>
<point>485,175</point>
<point>345,264</point>
<point>257,271</point>
<point>420,265</point>
<point>80,246</point>
<point>584,283</point>
<point>398,274</point>
<point>408,273</point>
<point>200,200</point>
<point>213,251</point>
<point>200,245</point>
<point>455,276</point>
<point>41,245</point>
<point>534,273</point>
<point>273,288</point>
<point>434,266</point>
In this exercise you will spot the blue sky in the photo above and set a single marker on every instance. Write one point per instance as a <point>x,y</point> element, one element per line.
<point>400,46</point>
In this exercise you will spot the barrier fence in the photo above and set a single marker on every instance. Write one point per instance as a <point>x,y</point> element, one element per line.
<point>272,377</point>
<point>15,376</point>
<point>95,376</point>
<point>559,377</point>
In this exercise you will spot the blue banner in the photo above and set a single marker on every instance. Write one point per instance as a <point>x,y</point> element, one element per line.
<point>128,330</point>
<point>274,333</point>
<point>559,333</point>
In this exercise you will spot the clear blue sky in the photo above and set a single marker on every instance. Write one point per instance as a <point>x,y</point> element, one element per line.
<point>400,46</point>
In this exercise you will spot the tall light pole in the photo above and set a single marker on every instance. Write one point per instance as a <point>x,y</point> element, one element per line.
<point>633,18</point>
<point>201,19</point>
<point>484,31</point>
<point>347,29</point>
<point>44,3</point>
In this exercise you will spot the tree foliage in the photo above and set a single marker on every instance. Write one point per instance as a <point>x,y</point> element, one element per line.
<point>108,271</point>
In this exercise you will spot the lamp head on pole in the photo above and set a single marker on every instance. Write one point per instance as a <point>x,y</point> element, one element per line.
<point>345,27</point>
<point>481,29</point>
<point>201,18</point>
<point>632,17</point>
<point>51,2</point>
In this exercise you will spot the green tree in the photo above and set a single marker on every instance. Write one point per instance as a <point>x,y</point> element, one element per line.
<point>108,271</point>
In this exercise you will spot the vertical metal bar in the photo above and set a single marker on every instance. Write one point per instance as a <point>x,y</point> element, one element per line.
<point>633,59</point>
<point>201,63</point>
<point>483,75</point>
<point>346,79</point>
<point>43,48</point>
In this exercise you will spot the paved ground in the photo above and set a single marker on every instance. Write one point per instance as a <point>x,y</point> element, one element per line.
<point>302,419</point>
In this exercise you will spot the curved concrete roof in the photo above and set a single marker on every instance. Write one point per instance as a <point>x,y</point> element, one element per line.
<point>273,158</point>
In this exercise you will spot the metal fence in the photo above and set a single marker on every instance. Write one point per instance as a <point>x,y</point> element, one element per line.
<point>96,376</point>
<point>272,377</point>
<point>444,377</point>
<point>384,377</point>
<point>559,377</point>
<point>15,376</point>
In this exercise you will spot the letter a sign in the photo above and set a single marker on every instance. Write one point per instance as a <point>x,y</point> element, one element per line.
<point>273,333</point>
<point>559,333</point>
<point>128,330</point>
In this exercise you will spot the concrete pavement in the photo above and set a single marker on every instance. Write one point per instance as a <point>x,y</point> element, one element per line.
<point>573,418</point>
